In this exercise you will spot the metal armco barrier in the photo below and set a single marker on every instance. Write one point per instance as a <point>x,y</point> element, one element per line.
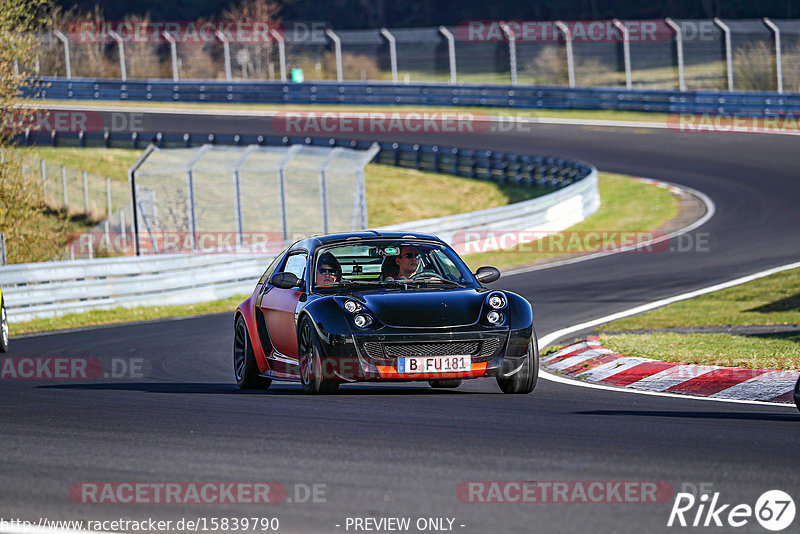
<point>353,93</point>
<point>49,289</point>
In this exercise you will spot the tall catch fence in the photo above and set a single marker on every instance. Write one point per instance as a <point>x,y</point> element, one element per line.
<point>686,54</point>
<point>210,196</point>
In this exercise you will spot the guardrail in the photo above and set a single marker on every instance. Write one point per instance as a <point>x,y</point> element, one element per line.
<point>377,93</point>
<point>501,167</point>
<point>37,290</point>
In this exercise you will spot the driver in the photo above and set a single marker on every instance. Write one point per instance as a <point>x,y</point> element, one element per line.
<point>408,261</point>
<point>329,271</point>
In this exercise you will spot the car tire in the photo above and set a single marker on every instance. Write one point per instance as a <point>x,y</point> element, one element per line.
<point>309,353</point>
<point>445,383</point>
<point>245,368</point>
<point>3,327</point>
<point>524,380</point>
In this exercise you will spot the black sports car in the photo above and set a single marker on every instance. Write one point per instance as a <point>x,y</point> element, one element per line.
<point>381,307</point>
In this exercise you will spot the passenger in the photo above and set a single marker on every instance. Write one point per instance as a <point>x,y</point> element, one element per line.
<point>329,271</point>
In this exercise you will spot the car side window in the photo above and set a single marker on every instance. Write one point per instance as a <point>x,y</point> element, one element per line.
<point>271,268</point>
<point>296,264</point>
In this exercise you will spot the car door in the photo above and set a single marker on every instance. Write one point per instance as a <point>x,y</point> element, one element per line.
<point>280,305</point>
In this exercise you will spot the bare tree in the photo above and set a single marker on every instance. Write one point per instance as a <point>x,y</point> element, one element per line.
<point>257,56</point>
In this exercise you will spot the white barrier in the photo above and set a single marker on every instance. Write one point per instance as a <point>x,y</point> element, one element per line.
<point>49,289</point>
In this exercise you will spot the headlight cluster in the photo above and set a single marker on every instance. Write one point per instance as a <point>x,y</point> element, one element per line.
<point>496,301</point>
<point>361,320</point>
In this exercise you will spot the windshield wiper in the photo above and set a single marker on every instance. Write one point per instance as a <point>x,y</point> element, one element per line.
<point>438,280</point>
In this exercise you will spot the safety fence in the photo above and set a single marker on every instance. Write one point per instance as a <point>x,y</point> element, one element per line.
<point>551,97</point>
<point>744,54</point>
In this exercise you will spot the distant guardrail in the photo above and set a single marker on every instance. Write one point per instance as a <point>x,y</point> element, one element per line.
<point>427,94</point>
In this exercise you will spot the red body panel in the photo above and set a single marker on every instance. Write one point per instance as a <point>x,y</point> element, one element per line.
<point>247,310</point>
<point>279,307</point>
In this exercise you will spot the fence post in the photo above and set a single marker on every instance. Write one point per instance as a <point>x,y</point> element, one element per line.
<point>626,51</point>
<point>3,248</point>
<point>392,52</point>
<point>563,28</point>
<point>451,52</point>
<point>512,51</point>
<point>121,45</point>
<point>61,37</point>
<point>237,199</point>
<point>132,188</point>
<point>64,187</point>
<point>108,206</point>
<point>44,179</point>
<point>728,56</point>
<point>778,66</point>
<point>337,44</point>
<point>323,193</point>
<point>173,49</point>
<point>679,46</point>
<point>85,194</point>
<point>281,52</point>
<point>226,46</point>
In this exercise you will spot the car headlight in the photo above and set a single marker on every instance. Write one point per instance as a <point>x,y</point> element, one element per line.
<point>352,306</point>
<point>494,317</point>
<point>497,301</point>
<point>362,320</point>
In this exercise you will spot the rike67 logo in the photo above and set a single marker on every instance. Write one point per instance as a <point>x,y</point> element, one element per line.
<point>774,510</point>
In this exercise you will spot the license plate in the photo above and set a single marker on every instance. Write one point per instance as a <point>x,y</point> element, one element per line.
<point>434,364</point>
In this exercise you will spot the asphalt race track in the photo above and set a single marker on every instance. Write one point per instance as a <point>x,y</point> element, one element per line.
<point>402,451</point>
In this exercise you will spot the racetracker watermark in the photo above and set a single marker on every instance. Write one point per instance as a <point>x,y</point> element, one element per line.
<point>575,242</point>
<point>201,32</point>
<point>69,368</point>
<point>216,492</point>
<point>582,31</point>
<point>121,243</point>
<point>786,123</point>
<point>300,122</point>
<point>20,120</point>
<point>564,492</point>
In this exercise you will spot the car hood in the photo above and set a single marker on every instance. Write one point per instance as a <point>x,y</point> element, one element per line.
<point>425,308</point>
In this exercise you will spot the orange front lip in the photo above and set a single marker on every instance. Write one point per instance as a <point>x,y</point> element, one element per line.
<point>477,370</point>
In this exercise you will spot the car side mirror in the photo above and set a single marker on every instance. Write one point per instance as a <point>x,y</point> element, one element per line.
<point>487,275</point>
<point>285,280</point>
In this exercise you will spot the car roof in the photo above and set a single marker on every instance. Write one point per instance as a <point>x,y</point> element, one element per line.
<point>354,237</point>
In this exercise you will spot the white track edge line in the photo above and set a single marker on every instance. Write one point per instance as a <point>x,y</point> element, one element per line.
<point>553,336</point>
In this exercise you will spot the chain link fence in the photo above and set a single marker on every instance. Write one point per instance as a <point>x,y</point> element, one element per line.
<point>212,196</point>
<point>658,54</point>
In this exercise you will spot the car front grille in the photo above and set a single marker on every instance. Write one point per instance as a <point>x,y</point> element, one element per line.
<point>480,350</point>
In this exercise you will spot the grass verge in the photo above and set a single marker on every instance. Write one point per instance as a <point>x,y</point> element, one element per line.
<point>773,300</point>
<point>774,351</point>
<point>627,206</point>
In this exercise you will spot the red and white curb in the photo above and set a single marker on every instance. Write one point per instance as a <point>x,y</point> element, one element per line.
<point>588,360</point>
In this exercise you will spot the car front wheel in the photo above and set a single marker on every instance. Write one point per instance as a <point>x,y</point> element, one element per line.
<point>524,380</point>
<point>309,351</point>
<point>245,368</point>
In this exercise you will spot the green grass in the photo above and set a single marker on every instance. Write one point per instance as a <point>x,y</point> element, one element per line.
<point>627,206</point>
<point>112,162</point>
<point>773,299</point>
<point>777,351</point>
<point>396,194</point>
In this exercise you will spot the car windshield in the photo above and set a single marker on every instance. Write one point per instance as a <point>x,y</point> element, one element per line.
<point>401,264</point>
